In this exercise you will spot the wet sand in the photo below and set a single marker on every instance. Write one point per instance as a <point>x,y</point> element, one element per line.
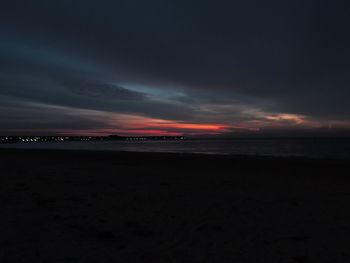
<point>89,206</point>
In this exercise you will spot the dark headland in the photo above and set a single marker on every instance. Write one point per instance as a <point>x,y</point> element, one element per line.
<point>89,206</point>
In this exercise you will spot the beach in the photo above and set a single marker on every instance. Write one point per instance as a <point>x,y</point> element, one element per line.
<point>104,206</point>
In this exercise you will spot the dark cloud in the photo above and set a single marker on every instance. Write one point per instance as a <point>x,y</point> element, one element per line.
<point>264,56</point>
<point>70,81</point>
<point>19,115</point>
<point>103,91</point>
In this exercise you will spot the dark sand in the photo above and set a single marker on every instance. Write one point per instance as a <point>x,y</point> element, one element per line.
<point>75,206</point>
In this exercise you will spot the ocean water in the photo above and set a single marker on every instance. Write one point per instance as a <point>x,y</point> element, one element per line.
<point>314,148</point>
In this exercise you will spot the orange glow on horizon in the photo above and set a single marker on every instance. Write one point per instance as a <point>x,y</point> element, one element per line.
<point>138,125</point>
<point>191,126</point>
<point>298,119</point>
<point>136,122</point>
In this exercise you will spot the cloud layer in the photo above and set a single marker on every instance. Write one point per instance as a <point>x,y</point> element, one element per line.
<point>249,65</point>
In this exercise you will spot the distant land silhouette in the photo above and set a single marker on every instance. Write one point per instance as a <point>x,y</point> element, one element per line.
<point>27,139</point>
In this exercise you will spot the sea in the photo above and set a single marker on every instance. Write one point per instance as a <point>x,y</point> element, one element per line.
<point>310,147</point>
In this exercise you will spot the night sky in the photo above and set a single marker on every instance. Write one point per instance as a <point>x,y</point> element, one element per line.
<point>139,67</point>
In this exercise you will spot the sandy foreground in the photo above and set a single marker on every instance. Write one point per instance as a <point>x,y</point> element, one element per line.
<point>86,206</point>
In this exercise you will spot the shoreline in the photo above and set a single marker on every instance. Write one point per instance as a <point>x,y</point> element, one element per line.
<point>175,153</point>
<point>179,155</point>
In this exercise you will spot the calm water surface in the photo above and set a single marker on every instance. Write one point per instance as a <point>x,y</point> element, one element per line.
<point>333,148</point>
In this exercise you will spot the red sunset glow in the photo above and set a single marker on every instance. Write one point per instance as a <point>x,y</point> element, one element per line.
<point>191,126</point>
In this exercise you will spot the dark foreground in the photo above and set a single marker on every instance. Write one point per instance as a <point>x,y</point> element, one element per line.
<point>74,206</point>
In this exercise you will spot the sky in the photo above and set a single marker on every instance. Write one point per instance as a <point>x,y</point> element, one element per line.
<point>166,67</point>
